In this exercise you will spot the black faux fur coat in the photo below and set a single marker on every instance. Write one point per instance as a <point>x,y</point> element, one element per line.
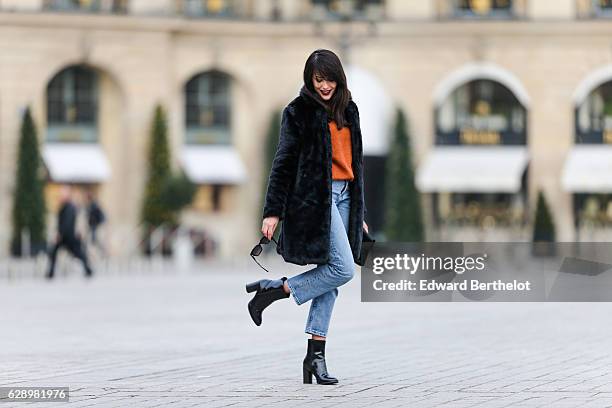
<point>299,185</point>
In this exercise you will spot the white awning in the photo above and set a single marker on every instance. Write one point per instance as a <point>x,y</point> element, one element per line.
<point>76,162</point>
<point>492,169</point>
<point>588,169</point>
<point>213,164</point>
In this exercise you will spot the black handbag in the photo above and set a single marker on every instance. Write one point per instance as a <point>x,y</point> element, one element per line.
<point>367,242</point>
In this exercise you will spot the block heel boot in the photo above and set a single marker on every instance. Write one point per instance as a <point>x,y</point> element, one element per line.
<point>267,291</point>
<point>314,364</point>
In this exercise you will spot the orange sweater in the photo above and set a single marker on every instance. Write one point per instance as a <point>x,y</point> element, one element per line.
<point>342,157</point>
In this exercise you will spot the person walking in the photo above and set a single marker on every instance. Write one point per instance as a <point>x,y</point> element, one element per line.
<point>66,234</point>
<point>315,188</point>
<point>95,217</point>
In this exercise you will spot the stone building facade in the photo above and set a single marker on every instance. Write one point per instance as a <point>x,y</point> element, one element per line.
<point>529,79</point>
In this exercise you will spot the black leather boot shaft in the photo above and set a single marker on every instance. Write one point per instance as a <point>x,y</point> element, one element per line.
<point>268,291</point>
<point>314,364</point>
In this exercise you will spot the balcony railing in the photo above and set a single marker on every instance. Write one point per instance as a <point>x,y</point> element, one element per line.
<point>208,135</point>
<point>359,10</point>
<point>347,10</point>
<point>598,131</point>
<point>87,6</point>
<point>72,133</point>
<point>480,137</point>
<point>210,9</point>
<point>481,10</point>
<point>594,136</point>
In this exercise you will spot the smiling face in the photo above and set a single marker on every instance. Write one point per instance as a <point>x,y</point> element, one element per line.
<point>324,88</point>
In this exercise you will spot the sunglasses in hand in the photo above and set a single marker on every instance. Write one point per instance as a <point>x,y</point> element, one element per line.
<point>257,249</point>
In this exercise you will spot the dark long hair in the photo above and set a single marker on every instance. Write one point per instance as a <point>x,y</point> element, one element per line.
<point>327,64</point>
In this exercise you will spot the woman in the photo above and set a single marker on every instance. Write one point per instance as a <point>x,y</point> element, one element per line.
<point>316,188</point>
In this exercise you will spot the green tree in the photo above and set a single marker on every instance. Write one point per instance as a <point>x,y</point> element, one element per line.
<point>154,209</point>
<point>29,209</point>
<point>177,193</point>
<point>403,214</point>
<point>166,193</point>
<point>544,227</point>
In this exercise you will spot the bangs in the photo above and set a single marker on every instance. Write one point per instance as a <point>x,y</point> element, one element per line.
<point>325,73</point>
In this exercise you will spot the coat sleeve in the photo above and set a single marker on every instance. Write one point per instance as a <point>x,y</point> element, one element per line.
<point>284,167</point>
<point>365,209</point>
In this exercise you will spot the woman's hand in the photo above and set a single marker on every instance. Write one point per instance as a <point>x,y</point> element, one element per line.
<point>268,226</point>
<point>365,227</point>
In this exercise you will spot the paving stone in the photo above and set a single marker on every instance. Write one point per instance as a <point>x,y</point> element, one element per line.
<point>186,340</point>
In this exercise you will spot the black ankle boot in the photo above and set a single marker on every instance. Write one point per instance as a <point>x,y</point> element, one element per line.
<point>314,364</point>
<point>268,291</point>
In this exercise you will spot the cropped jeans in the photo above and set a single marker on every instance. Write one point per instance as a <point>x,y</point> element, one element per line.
<point>320,284</point>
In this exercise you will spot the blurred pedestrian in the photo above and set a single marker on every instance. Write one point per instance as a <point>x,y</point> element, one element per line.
<point>316,188</point>
<point>95,217</point>
<point>67,237</point>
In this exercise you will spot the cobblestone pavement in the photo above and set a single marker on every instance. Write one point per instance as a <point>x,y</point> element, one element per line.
<point>170,339</point>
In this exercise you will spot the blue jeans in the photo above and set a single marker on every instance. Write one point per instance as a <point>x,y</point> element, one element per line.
<point>320,284</point>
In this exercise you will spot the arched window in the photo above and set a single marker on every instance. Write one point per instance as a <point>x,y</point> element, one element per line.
<point>483,185</point>
<point>72,105</point>
<point>208,157</point>
<point>208,108</point>
<point>594,116</point>
<point>591,156</point>
<point>71,152</point>
<point>481,112</point>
